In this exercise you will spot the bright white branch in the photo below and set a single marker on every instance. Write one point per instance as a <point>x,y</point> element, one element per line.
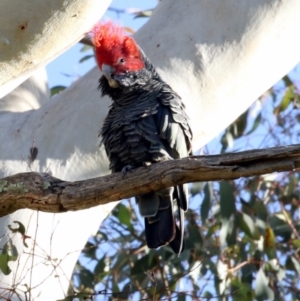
<point>32,33</point>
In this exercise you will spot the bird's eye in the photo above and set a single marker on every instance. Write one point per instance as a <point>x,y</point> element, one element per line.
<point>122,60</point>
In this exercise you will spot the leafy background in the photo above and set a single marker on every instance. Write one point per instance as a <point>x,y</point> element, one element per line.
<point>242,237</point>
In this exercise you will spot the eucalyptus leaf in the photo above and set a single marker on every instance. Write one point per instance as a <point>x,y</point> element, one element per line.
<point>57,89</point>
<point>262,289</point>
<point>247,224</point>
<point>207,200</point>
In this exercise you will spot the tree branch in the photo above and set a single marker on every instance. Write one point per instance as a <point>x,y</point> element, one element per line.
<point>40,191</point>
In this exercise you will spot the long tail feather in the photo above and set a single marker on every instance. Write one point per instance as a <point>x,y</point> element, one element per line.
<point>160,225</point>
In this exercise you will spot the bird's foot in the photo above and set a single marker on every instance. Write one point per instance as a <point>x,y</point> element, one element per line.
<point>147,163</point>
<point>126,169</point>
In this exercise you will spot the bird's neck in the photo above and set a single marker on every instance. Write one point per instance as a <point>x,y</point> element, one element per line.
<point>127,95</point>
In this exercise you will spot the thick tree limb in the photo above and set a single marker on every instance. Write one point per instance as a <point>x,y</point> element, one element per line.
<point>32,33</point>
<point>40,191</point>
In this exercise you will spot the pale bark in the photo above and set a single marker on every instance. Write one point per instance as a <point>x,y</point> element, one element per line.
<point>32,33</point>
<point>41,191</point>
<point>218,55</point>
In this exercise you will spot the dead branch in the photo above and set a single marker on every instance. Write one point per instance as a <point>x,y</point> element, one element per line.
<point>40,191</point>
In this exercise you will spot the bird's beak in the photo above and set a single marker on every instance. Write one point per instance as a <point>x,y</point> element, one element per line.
<point>107,72</point>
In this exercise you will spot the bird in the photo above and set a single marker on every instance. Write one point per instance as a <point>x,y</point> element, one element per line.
<point>146,124</point>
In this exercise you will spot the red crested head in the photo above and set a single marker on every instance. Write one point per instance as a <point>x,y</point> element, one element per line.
<point>115,49</point>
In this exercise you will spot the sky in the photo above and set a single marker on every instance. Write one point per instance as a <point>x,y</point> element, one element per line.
<point>66,68</point>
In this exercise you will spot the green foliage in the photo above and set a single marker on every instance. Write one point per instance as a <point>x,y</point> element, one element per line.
<point>85,58</point>
<point>242,237</point>
<point>20,229</point>
<point>207,200</point>
<point>86,48</point>
<point>143,13</point>
<point>8,253</point>
<point>57,89</point>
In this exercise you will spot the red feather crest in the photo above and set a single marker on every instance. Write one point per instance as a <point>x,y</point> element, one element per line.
<point>111,43</point>
<point>107,35</point>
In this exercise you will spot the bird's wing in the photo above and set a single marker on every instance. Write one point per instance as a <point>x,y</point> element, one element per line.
<point>174,128</point>
<point>173,124</point>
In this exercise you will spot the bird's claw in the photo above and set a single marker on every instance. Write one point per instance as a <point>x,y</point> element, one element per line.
<point>126,169</point>
<point>147,163</point>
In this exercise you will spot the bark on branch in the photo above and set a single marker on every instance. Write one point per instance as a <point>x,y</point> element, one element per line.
<point>40,191</point>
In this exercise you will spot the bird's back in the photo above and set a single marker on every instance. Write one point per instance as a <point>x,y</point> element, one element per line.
<point>149,125</point>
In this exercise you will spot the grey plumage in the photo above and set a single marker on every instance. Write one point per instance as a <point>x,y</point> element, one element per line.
<point>147,123</point>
